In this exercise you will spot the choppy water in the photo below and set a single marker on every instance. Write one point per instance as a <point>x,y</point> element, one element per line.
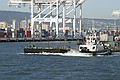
<point>14,66</point>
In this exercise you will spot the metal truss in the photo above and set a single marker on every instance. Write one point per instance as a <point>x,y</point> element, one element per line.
<point>53,6</point>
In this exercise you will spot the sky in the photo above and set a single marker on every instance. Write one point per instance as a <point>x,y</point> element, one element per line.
<point>91,8</point>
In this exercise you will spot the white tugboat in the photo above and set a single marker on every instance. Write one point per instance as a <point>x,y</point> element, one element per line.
<point>92,46</point>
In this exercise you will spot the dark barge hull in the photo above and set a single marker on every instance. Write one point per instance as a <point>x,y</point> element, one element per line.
<point>48,50</point>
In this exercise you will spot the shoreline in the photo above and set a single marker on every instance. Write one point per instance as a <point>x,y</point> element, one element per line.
<point>34,39</point>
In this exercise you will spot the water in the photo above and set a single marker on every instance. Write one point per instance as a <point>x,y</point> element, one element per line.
<point>14,66</point>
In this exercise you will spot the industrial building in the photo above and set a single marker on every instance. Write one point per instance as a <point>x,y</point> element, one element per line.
<point>3,25</point>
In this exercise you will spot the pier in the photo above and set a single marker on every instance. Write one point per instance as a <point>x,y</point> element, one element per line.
<point>36,39</point>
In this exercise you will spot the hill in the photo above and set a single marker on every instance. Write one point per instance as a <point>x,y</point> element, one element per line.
<point>7,16</point>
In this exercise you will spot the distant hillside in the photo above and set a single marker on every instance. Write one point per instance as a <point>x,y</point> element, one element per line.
<point>9,15</point>
<point>87,22</point>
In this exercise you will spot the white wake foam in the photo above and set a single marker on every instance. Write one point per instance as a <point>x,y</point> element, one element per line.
<point>69,53</point>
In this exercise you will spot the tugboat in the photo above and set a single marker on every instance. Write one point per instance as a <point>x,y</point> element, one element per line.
<point>92,46</point>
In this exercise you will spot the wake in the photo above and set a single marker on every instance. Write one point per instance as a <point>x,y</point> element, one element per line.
<point>72,52</point>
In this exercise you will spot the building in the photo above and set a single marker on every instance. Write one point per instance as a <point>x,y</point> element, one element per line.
<point>65,28</point>
<point>23,24</point>
<point>14,24</point>
<point>3,25</point>
<point>36,27</point>
<point>45,27</point>
<point>29,24</point>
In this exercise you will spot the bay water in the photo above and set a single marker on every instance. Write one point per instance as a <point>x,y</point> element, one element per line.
<point>16,66</point>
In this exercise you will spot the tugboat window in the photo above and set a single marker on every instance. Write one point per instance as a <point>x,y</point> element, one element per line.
<point>81,47</point>
<point>93,38</point>
<point>93,47</point>
<point>88,38</point>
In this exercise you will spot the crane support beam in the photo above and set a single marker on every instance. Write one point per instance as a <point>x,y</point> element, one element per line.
<point>50,11</point>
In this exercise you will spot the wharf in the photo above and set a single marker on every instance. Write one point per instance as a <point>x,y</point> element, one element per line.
<point>35,39</point>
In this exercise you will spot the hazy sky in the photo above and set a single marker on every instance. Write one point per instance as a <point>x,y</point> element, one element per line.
<point>91,8</point>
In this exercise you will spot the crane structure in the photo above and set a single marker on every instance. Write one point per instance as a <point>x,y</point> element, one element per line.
<point>58,7</point>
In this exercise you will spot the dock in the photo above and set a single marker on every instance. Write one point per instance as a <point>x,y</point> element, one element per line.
<point>36,39</point>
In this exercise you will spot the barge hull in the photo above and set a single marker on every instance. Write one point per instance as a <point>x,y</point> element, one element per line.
<point>48,50</point>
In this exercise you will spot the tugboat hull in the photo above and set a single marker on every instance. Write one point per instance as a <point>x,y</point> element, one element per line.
<point>95,53</point>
